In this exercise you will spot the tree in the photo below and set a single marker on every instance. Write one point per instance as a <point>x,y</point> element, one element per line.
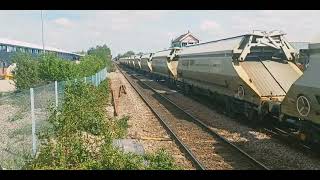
<point>140,53</point>
<point>128,53</point>
<point>81,52</point>
<point>101,51</point>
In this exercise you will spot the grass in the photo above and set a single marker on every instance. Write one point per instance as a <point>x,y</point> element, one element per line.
<point>81,136</point>
<point>22,131</point>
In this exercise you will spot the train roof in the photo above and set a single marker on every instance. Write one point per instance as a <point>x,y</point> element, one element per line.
<point>33,46</point>
<point>225,45</point>
<point>310,77</point>
<point>314,46</point>
<point>137,56</point>
<point>255,32</point>
<point>147,55</point>
<point>162,53</point>
<point>300,46</point>
<point>219,45</point>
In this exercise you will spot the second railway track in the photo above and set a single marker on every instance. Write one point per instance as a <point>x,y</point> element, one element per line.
<point>203,146</point>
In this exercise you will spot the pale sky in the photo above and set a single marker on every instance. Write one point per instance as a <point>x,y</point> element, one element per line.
<point>149,31</point>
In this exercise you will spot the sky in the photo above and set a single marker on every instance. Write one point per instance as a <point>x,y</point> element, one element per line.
<point>149,31</point>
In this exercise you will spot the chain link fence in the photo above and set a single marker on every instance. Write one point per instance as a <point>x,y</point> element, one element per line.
<point>23,116</point>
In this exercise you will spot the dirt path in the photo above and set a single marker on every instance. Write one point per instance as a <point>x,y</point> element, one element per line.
<point>7,86</point>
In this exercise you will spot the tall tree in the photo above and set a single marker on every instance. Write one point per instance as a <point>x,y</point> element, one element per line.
<point>101,51</point>
<point>140,53</point>
<point>128,53</point>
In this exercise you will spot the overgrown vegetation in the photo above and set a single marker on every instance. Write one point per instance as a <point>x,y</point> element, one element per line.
<point>37,70</point>
<point>27,73</point>
<point>82,136</point>
<point>34,71</point>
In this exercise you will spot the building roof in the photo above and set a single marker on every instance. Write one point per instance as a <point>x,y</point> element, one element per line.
<point>34,46</point>
<point>181,37</point>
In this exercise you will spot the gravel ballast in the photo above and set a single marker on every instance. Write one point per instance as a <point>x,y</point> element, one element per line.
<point>143,124</point>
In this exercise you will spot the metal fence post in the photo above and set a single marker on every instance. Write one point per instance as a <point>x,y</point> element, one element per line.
<point>92,79</point>
<point>99,77</point>
<point>34,148</point>
<point>56,92</point>
<point>96,79</point>
<point>85,79</point>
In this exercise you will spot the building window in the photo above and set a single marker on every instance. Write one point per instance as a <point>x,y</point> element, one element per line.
<point>184,44</point>
<point>3,48</point>
<point>9,48</point>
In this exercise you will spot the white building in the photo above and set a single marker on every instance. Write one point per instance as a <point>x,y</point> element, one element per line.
<point>184,40</point>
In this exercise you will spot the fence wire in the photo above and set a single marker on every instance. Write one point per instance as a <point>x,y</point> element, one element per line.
<point>17,140</point>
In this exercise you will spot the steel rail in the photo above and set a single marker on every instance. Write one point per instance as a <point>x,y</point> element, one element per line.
<point>208,129</point>
<point>191,156</point>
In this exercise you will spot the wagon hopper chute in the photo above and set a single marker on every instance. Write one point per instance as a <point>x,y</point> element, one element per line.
<point>254,68</point>
<point>303,99</point>
<point>131,62</point>
<point>146,61</point>
<point>137,63</point>
<point>164,63</point>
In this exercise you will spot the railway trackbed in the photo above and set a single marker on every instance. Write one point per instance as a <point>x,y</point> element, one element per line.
<point>202,145</point>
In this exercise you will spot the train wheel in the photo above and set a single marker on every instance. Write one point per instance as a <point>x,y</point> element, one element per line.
<point>308,133</point>
<point>187,89</point>
<point>253,116</point>
<point>229,107</point>
<point>174,84</point>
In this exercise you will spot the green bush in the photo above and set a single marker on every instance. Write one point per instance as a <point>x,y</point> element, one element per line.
<point>33,71</point>
<point>26,74</point>
<point>161,160</point>
<point>82,136</point>
<point>52,68</point>
<point>64,152</point>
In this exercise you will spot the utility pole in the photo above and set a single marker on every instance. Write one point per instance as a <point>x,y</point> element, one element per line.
<point>42,35</point>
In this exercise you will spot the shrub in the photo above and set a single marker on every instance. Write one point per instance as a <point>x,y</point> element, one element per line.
<point>36,70</point>
<point>82,136</point>
<point>26,74</point>
<point>83,110</point>
<point>161,160</point>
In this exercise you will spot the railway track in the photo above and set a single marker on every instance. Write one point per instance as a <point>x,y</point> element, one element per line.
<point>286,137</point>
<point>202,145</point>
<point>282,135</point>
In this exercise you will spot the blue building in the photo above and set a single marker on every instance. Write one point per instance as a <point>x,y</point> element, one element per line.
<point>9,47</point>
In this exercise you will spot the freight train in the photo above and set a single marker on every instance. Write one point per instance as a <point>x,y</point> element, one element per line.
<point>252,74</point>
